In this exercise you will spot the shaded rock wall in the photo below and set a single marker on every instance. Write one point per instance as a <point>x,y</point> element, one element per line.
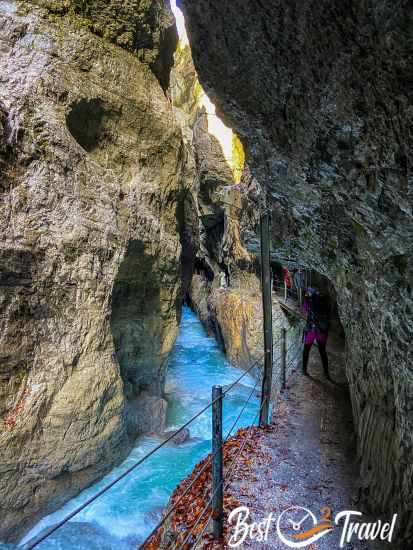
<point>144,27</point>
<point>213,216</point>
<point>320,93</point>
<point>90,166</point>
<point>221,218</point>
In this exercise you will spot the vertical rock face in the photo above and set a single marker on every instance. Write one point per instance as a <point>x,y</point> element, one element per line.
<point>214,200</point>
<point>320,93</point>
<point>144,27</point>
<point>90,168</point>
<point>213,225</point>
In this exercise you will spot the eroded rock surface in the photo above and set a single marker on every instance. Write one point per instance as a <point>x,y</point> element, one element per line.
<point>90,167</point>
<point>320,94</point>
<point>144,27</point>
<point>222,286</point>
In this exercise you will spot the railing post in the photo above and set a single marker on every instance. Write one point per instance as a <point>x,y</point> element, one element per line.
<point>217,469</point>
<point>283,358</point>
<point>267,317</point>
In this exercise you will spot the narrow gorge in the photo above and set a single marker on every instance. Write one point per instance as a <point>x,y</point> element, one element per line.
<point>107,168</point>
<point>138,153</point>
<point>320,95</point>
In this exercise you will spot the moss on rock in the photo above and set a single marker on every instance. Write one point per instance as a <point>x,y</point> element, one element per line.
<point>144,27</point>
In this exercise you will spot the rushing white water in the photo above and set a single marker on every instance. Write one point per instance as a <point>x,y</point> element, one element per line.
<point>126,514</point>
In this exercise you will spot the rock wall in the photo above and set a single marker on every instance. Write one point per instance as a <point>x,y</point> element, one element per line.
<point>90,279</point>
<point>213,223</point>
<point>221,218</point>
<point>320,94</point>
<point>144,27</point>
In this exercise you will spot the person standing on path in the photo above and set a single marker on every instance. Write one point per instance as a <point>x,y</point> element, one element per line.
<point>318,309</point>
<point>287,281</point>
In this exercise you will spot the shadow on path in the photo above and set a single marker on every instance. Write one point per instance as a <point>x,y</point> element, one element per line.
<point>309,458</point>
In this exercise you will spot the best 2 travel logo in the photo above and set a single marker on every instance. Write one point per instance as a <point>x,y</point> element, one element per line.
<point>298,527</point>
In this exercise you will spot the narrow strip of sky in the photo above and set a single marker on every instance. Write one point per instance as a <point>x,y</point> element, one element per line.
<point>215,125</point>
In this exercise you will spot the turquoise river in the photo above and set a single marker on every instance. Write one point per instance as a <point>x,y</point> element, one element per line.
<point>123,517</point>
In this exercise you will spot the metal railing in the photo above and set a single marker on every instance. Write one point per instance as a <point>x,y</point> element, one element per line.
<point>214,460</point>
<point>34,543</point>
<point>213,508</point>
<point>296,294</point>
<point>220,478</point>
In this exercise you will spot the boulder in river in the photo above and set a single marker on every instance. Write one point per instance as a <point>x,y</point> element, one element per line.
<point>181,437</point>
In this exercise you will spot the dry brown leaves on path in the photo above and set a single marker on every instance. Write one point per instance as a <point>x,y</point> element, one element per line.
<point>185,523</point>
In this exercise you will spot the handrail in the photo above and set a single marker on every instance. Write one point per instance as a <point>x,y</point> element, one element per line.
<point>205,466</point>
<point>228,473</point>
<point>172,509</point>
<point>241,412</point>
<point>231,467</point>
<point>37,541</point>
<point>201,471</point>
<point>40,539</point>
<point>242,376</point>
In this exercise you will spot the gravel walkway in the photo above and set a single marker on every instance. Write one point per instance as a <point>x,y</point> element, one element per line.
<point>307,458</point>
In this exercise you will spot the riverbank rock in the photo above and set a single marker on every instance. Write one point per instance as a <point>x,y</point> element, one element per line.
<point>182,437</point>
<point>234,315</point>
<point>221,218</point>
<point>90,166</point>
<point>320,95</point>
<point>213,224</point>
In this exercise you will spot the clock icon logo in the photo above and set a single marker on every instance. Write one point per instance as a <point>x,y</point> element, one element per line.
<point>298,527</point>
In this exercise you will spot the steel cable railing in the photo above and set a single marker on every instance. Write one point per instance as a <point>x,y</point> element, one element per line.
<point>286,366</point>
<point>201,471</point>
<point>89,501</point>
<point>229,471</point>
<point>241,412</point>
<point>178,545</point>
<point>254,364</point>
<point>37,541</point>
<point>43,537</point>
<point>176,504</point>
<point>232,465</point>
<point>210,458</point>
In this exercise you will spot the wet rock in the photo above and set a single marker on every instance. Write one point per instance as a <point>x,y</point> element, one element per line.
<point>182,437</point>
<point>320,94</point>
<point>213,224</point>
<point>90,291</point>
<point>221,217</point>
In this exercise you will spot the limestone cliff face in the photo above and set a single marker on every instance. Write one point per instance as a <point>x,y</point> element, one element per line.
<point>144,27</point>
<point>214,221</point>
<point>90,172</point>
<point>221,216</point>
<point>320,93</point>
